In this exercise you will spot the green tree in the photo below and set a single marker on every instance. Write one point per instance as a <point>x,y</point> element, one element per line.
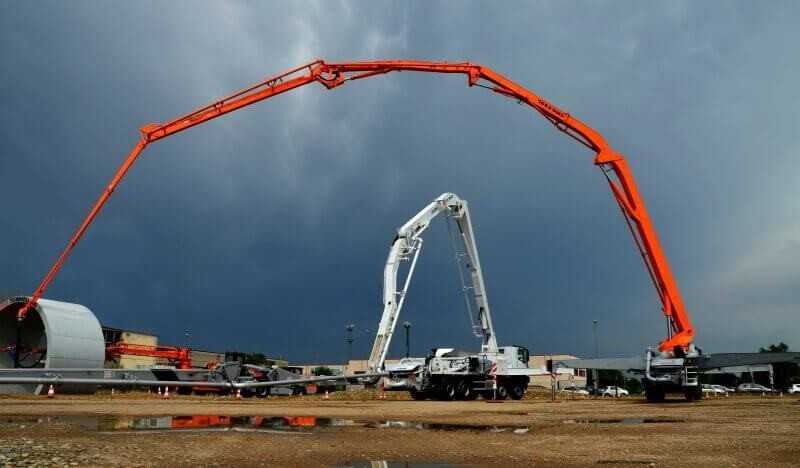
<point>775,348</point>
<point>322,370</point>
<point>257,359</point>
<point>784,373</point>
<point>634,386</point>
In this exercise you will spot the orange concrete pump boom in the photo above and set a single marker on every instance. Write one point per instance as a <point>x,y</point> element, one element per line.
<point>331,75</point>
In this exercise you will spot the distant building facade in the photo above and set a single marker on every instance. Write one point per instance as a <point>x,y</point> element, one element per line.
<point>117,335</point>
<point>563,377</point>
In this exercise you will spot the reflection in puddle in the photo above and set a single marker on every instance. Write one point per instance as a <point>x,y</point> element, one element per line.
<point>624,421</point>
<point>280,424</point>
<point>447,427</point>
<point>212,423</point>
<point>398,464</point>
<point>195,423</point>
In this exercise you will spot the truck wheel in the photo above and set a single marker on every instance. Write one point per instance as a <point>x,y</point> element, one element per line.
<point>693,393</point>
<point>517,391</point>
<point>472,395</point>
<point>262,392</point>
<point>502,392</point>
<point>463,390</point>
<point>654,393</point>
<point>417,394</point>
<point>448,392</point>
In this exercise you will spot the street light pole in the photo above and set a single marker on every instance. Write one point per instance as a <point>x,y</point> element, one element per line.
<point>407,326</point>
<point>595,372</point>
<point>349,341</point>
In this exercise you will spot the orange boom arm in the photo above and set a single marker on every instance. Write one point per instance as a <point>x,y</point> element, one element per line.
<point>331,75</point>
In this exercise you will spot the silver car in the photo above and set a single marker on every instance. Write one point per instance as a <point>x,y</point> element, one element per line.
<point>753,388</point>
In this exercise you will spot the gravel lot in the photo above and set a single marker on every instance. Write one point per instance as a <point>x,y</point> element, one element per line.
<point>353,429</point>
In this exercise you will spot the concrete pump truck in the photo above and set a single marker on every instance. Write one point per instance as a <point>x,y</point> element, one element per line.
<point>673,364</point>
<point>447,374</point>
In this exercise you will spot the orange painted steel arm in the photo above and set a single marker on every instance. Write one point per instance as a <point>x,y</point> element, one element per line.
<point>181,355</point>
<point>332,75</point>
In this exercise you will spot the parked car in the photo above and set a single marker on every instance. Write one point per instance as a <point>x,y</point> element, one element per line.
<point>753,388</point>
<point>794,389</point>
<point>613,391</point>
<point>725,389</point>
<point>715,390</point>
<point>573,390</point>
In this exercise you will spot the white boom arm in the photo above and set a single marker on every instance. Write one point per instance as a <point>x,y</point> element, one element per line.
<point>407,246</point>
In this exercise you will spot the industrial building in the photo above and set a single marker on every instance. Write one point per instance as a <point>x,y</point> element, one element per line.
<point>199,358</point>
<point>125,361</point>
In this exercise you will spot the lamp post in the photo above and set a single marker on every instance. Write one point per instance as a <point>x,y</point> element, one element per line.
<point>595,373</point>
<point>407,326</point>
<point>349,341</point>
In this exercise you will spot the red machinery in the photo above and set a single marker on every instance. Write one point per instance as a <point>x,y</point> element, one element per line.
<point>331,75</point>
<point>181,357</point>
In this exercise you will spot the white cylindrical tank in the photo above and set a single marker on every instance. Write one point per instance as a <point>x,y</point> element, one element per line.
<point>56,335</point>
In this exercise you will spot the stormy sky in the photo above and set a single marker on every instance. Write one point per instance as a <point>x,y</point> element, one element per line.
<point>267,230</point>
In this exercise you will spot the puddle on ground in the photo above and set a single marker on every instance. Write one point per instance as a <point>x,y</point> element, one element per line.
<point>211,423</point>
<point>397,464</point>
<point>624,421</point>
<point>278,424</point>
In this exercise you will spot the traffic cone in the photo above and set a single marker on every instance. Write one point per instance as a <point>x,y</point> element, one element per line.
<point>238,394</point>
<point>166,393</point>
<point>51,392</point>
<point>112,392</point>
<point>159,392</point>
<point>326,397</point>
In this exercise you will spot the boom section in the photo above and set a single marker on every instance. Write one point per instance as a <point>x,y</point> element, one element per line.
<point>406,247</point>
<point>332,75</point>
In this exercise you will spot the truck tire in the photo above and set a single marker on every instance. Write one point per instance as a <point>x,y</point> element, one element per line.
<point>448,391</point>
<point>516,391</point>
<point>463,390</point>
<point>654,393</point>
<point>502,392</point>
<point>262,392</point>
<point>472,395</point>
<point>694,393</point>
<point>417,395</point>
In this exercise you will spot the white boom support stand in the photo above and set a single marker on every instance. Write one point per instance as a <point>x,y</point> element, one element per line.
<point>407,246</point>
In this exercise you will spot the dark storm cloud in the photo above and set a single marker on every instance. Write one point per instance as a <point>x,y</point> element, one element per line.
<point>268,229</point>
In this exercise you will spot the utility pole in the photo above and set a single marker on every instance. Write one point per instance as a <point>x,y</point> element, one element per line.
<point>595,373</point>
<point>349,341</point>
<point>407,326</point>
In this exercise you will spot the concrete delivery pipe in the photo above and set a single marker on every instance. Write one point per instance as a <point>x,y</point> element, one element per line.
<point>55,334</point>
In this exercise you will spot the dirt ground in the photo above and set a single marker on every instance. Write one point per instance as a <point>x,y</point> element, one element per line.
<point>735,431</point>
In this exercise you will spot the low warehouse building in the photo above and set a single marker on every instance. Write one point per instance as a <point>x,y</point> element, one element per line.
<point>117,335</point>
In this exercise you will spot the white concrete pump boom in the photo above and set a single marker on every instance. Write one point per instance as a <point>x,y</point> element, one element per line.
<point>407,246</point>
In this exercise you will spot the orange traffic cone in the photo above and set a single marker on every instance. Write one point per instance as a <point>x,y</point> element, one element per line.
<point>326,397</point>
<point>238,394</point>
<point>51,392</point>
<point>159,391</point>
<point>166,393</point>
